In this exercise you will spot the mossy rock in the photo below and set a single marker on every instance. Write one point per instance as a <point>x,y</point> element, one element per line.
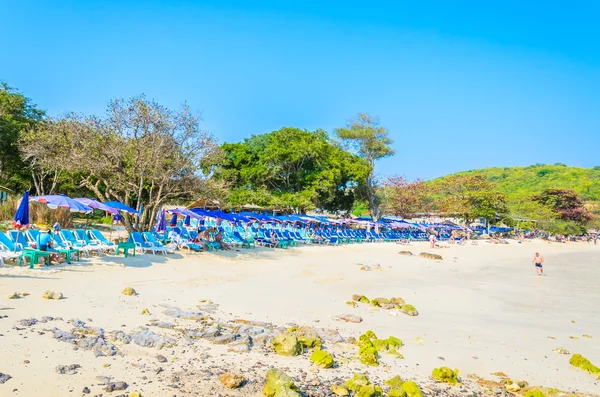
<point>397,393</point>
<point>431,256</point>
<point>129,291</point>
<point>380,302</point>
<point>370,391</point>
<point>394,342</point>
<point>358,381</point>
<point>340,390</point>
<point>52,295</point>
<point>352,303</point>
<point>395,353</point>
<point>370,334</point>
<point>146,312</point>
<point>409,310</point>
<point>581,362</point>
<point>446,375</point>
<point>535,393</point>
<point>381,344</point>
<point>365,341</point>
<point>308,337</point>
<point>397,301</point>
<point>322,359</point>
<point>287,344</point>
<point>279,384</point>
<point>369,356</point>
<point>412,389</point>
<point>395,383</point>
<point>408,253</point>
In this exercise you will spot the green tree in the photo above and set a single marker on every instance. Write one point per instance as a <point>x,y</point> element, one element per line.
<point>529,213</point>
<point>371,141</point>
<point>291,168</point>
<point>17,114</point>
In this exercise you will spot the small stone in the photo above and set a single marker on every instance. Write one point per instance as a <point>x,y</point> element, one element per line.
<point>129,291</point>
<point>560,350</point>
<point>231,380</point>
<point>407,253</point>
<point>430,256</point>
<point>349,318</point>
<point>112,386</point>
<point>4,378</point>
<point>135,394</point>
<point>145,312</point>
<point>161,358</point>
<point>86,390</point>
<point>26,362</point>
<point>52,295</point>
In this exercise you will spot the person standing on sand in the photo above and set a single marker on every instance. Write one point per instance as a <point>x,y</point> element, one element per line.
<point>538,261</point>
<point>432,240</point>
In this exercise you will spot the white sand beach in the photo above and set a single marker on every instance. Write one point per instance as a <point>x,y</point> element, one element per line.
<point>481,310</point>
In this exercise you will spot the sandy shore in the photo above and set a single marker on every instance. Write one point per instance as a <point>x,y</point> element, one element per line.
<point>482,310</point>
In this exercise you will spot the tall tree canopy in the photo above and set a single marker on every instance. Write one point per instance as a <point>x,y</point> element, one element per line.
<point>407,198</point>
<point>140,153</point>
<point>17,114</point>
<point>371,141</point>
<point>566,204</point>
<point>291,168</point>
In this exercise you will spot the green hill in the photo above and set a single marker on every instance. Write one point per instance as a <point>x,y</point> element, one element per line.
<point>524,181</point>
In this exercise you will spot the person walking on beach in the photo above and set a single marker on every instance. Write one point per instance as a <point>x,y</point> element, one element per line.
<point>432,240</point>
<point>538,261</point>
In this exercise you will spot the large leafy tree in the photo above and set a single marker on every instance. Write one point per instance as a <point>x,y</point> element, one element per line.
<point>367,137</point>
<point>566,204</point>
<point>17,114</point>
<point>470,197</point>
<point>407,198</point>
<point>291,168</point>
<point>140,153</point>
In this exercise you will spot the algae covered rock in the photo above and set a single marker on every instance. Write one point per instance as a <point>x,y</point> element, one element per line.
<point>581,362</point>
<point>394,342</point>
<point>287,344</point>
<point>352,303</point>
<point>397,393</point>
<point>360,298</point>
<point>395,383</point>
<point>412,389</point>
<point>231,380</point>
<point>340,390</point>
<point>380,302</point>
<point>397,301</point>
<point>145,312</point>
<point>446,375</point>
<point>408,253</point>
<point>52,295</point>
<point>370,391</point>
<point>535,393</point>
<point>322,359</point>
<point>307,337</point>
<point>129,291</point>
<point>369,356</point>
<point>430,256</point>
<point>560,350</point>
<point>370,334</point>
<point>358,381</point>
<point>279,384</point>
<point>380,344</point>
<point>409,310</point>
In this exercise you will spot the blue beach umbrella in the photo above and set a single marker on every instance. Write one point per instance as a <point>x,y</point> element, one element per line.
<point>61,201</point>
<point>161,222</point>
<point>22,215</point>
<point>173,220</point>
<point>97,205</point>
<point>121,207</point>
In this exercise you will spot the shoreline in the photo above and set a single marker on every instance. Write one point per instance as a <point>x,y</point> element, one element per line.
<point>480,301</point>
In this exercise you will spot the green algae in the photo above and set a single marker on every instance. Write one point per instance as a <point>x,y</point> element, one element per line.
<point>370,391</point>
<point>446,375</point>
<point>369,356</point>
<point>287,344</point>
<point>394,342</point>
<point>279,384</point>
<point>581,362</point>
<point>364,299</point>
<point>322,359</point>
<point>370,334</point>
<point>381,344</point>
<point>412,389</point>
<point>535,393</point>
<point>395,383</point>
<point>358,381</point>
<point>409,310</point>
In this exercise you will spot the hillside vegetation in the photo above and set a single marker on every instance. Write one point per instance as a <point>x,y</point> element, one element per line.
<point>526,181</point>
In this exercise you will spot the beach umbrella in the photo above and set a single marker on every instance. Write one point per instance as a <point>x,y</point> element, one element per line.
<point>97,205</point>
<point>173,220</point>
<point>61,201</point>
<point>161,222</point>
<point>121,207</point>
<point>22,215</point>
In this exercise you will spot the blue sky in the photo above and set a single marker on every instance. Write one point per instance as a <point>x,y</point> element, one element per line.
<point>460,84</point>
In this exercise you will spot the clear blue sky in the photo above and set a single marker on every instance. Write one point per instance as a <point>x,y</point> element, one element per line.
<point>459,84</point>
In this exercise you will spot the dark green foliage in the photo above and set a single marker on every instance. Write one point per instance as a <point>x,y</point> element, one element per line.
<point>291,168</point>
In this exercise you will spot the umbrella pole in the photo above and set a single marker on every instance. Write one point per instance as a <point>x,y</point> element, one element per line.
<point>18,235</point>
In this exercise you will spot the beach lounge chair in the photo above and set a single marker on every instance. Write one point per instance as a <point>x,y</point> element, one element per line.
<point>71,241</point>
<point>5,253</point>
<point>9,241</point>
<point>96,236</point>
<point>152,240</point>
<point>83,236</point>
<point>32,236</point>
<point>143,245</point>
